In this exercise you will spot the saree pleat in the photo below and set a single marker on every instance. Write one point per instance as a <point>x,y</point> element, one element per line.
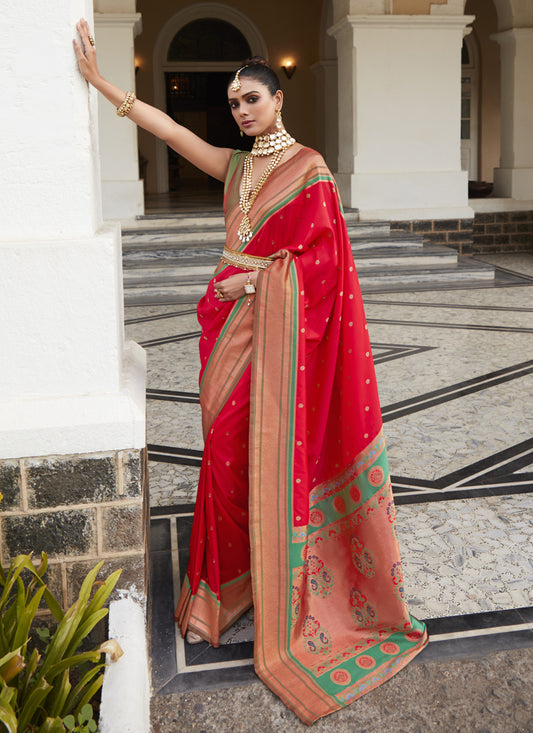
<point>295,500</point>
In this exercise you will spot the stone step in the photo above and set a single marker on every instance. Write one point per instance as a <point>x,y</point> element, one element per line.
<point>404,256</point>
<point>377,240</point>
<point>204,220</point>
<point>376,279</point>
<point>198,230</point>
<point>463,271</point>
<point>199,241</point>
<point>167,267</point>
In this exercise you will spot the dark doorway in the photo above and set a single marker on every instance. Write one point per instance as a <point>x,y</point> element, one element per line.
<point>199,101</point>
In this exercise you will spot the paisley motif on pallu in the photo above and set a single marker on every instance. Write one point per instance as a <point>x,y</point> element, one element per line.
<point>321,507</point>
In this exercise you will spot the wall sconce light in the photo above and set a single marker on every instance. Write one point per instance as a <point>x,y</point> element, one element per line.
<point>137,64</point>
<point>289,67</point>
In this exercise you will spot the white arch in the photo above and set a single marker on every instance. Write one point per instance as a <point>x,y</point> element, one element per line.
<point>513,13</point>
<point>196,11</point>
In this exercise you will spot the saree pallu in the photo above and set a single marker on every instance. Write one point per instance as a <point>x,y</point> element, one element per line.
<point>295,511</point>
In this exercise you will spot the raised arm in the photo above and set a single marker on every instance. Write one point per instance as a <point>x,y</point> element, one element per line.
<point>212,160</point>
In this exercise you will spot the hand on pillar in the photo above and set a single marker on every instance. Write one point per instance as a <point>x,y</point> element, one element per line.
<point>86,52</point>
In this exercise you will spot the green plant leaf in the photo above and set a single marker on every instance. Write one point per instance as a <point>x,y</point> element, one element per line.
<point>90,692</point>
<point>59,695</point>
<point>25,617</point>
<point>11,665</point>
<point>85,629</point>
<point>75,661</point>
<point>103,592</point>
<point>8,694</point>
<point>8,717</point>
<point>60,639</point>
<point>87,585</point>
<point>86,713</point>
<point>40,570</point>
<point>44,634</point>
<point>52,725</point>
<point>69,722</point>
<point>34,700</point>
<point>31,666</point>
<point>77,697</point>
<point>53,605</point>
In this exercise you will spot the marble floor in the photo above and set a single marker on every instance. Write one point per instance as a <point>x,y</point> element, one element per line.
<point>455,372</point>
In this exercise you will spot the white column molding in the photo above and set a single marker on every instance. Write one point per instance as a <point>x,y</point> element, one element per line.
<point>514,177</point>
<point>389,67</point>
<point>327,110</point>
<point>69,384</point>
<point>122,191</point>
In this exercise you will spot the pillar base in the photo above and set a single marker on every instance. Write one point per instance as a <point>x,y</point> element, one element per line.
<point>514,183</point>
<point>59,425</point>
<point>405,195</point>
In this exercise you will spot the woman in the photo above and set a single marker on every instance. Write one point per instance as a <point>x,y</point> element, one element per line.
<point>294,512</point>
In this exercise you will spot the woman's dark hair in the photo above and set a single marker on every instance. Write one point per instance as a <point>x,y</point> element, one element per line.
<point>257,68</point>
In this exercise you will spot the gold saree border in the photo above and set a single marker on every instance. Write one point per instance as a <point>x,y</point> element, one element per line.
<point>203,612</point>
<point>273,420</point>
<point>275,333</point>
<point>227,363</point>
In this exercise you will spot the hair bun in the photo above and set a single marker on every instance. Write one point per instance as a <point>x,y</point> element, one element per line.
<point>258,61</point>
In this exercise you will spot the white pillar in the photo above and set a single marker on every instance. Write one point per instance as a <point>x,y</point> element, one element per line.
<point>122,191</point>
<point>68,383</point>
<point>399,116</point>
<point>327,106</point>
<point>514,177</point>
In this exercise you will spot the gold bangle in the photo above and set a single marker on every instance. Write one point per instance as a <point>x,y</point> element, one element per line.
<point>127,104</point>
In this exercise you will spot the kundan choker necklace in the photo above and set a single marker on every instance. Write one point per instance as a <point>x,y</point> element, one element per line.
<point>274,144</point>
<point>269,144</point>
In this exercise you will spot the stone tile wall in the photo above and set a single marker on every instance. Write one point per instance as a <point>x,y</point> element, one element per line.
<point>503,231</point>
<point>79,510</point>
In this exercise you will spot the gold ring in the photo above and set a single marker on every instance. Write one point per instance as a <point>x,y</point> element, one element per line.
<point>91,40</point>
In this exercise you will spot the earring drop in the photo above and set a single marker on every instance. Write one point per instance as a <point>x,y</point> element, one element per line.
<point>279,123</point>
<point>242,133</point>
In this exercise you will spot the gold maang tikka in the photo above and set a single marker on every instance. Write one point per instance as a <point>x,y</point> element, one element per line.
<point>236,83</point>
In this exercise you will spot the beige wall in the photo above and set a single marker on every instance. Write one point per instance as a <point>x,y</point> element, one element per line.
<point>485,24</point>
<point>288,28</point>
<point>414,7</point>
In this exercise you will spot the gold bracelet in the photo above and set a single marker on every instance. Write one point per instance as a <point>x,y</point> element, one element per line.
<point>127,104</point>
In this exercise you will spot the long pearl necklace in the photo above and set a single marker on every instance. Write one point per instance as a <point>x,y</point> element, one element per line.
<point>248,196</point>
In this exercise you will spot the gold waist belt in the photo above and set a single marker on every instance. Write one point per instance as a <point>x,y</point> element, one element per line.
<point>244,261</point>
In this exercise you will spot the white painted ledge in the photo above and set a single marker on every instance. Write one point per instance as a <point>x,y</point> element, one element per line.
<point>458,212</point>
<point>489,205</point>
<point>91,423</point>
<point>125,705</point>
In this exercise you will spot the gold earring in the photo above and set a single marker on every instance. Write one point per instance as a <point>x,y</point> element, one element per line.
<point>279,123</point>
<point>242,133</point>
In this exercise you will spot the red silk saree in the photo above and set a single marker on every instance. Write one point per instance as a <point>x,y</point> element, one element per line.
<point>295,513</point>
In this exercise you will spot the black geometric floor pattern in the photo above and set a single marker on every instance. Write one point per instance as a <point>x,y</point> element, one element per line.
<point>178,666</point>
